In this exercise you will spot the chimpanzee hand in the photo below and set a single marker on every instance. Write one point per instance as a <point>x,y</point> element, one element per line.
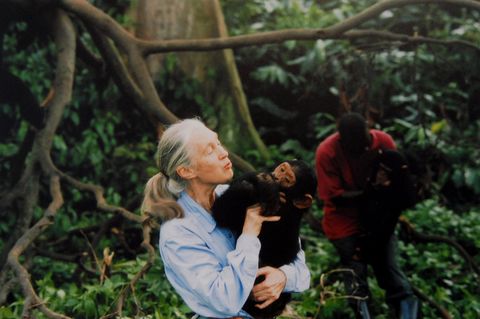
<point>270,288</point>
<point>381,179</point>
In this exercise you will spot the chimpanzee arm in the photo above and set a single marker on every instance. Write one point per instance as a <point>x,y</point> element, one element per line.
<point>348,198</point>
<point>230,208</point>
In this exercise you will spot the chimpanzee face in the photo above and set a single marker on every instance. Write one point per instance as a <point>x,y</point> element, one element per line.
<point>383,176</point>
<point>284,175</point>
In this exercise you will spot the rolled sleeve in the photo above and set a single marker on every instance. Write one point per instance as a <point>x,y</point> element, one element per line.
<point>249,246</point>
<point>297,273</point>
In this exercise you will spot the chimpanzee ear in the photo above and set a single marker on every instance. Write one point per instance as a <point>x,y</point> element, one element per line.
<point>305,202</point>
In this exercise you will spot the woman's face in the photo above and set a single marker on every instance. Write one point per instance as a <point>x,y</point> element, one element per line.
<point>210,162</point>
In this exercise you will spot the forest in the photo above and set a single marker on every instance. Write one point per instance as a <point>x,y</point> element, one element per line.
<point>88,87</point>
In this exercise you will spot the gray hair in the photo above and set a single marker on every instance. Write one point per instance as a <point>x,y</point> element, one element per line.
<point>163,189</point>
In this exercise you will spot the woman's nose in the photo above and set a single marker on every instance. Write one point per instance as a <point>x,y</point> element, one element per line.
<point>223,152</point>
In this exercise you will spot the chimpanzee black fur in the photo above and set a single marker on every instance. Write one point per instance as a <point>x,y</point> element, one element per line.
<point>383,204</point>
<point>230,208</point>
<point>279,240</point>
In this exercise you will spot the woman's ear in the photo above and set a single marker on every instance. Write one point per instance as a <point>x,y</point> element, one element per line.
<point>185,172</point>
<point>305,202</point>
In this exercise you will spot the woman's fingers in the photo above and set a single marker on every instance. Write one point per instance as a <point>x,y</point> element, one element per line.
<point>254,219</point>
<point>271,218</point>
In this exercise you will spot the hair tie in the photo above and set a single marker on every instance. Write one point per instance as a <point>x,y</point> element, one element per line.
<point>164,174</point>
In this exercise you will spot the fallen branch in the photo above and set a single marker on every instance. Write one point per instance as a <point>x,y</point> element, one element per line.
<point>441,310</point>
<point>416,236</point>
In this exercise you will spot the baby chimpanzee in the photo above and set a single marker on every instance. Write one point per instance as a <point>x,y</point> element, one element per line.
<point>388,193</point>
<point>288,192</point>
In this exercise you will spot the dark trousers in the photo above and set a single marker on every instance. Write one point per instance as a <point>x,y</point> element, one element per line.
<point>357,252</point>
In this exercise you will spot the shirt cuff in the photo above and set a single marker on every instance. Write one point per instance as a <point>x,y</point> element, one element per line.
<point>249,244</point>
<point>289,271</point>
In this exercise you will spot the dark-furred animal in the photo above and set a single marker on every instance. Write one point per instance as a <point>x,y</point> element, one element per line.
<point>288,192</point>
<point>388,193</point>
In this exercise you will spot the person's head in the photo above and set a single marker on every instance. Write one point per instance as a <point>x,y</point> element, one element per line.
<point>188,153</point>
<point>298,181</point>
<point>354,134</point>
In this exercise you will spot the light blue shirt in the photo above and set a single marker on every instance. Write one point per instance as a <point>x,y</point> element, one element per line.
<point>213,273</point>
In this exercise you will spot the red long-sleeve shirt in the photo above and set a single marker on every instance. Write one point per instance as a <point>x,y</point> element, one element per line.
<point>337,174</point>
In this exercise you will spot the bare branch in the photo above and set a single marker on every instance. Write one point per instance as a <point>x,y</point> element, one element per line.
<point>282,36</point>
<point>64,35</point>
<point>357,34</point>
<point>336,31</point>
<point>13,257</point>
<point>6,283</point>
<point>101,202</point>
<point>440,309</point>
<point>122,76</point>
<point>149,102</point>
<point>97,19</point>
<point>419,237</point>
<point>89,57</point>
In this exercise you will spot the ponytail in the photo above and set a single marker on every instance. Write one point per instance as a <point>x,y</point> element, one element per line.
<point>159,201</point>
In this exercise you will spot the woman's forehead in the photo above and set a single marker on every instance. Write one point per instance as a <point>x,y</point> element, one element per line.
<point>203,137</point>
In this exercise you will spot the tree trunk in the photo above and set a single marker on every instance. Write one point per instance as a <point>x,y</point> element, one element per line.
<point>186,19</point>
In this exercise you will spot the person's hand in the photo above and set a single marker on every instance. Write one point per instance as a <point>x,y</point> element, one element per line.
<point>270,289</point>
<point>254,219</point>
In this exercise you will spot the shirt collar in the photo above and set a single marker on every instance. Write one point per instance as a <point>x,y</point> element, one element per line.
<point>192,208</point>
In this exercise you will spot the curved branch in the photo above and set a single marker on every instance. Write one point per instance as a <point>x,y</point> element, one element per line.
<point>95,18</point>
<point>213,44</point>
<point>419,237</point>
<point>7,198</point>
<point>441,310</point>
<point>120,73</point>
<point>336,31</point>
<point>357,34</point>
<point>124,80</point>
<point>64,37</point>
<point>65,41</point>
<point>142,91</point>
<point>32,299</point>
<point>89,57</point>
<point>6,284</point>
<point>101,202</point>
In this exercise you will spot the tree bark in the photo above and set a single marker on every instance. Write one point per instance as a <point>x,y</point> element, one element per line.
<point>184,19</point>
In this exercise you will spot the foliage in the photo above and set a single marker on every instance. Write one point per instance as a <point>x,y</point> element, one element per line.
<point>93,299</point>
<point>456,286</point>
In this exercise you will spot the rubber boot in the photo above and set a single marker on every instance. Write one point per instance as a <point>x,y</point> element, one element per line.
<point>362,310</point>
<point>408,308</point>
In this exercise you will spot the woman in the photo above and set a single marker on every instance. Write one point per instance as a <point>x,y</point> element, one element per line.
<point>213,273</point>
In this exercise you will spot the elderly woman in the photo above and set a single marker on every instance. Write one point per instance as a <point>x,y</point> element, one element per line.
<point>212,272</point>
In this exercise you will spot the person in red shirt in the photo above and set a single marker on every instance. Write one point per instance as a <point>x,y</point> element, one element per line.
<point>343,165</point>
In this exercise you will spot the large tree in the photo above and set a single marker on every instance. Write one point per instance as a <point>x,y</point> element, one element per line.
<point>223,90</point>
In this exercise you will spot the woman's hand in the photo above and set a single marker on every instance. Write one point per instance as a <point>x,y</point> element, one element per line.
<point>254,219</point>
<point>270,289</point>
